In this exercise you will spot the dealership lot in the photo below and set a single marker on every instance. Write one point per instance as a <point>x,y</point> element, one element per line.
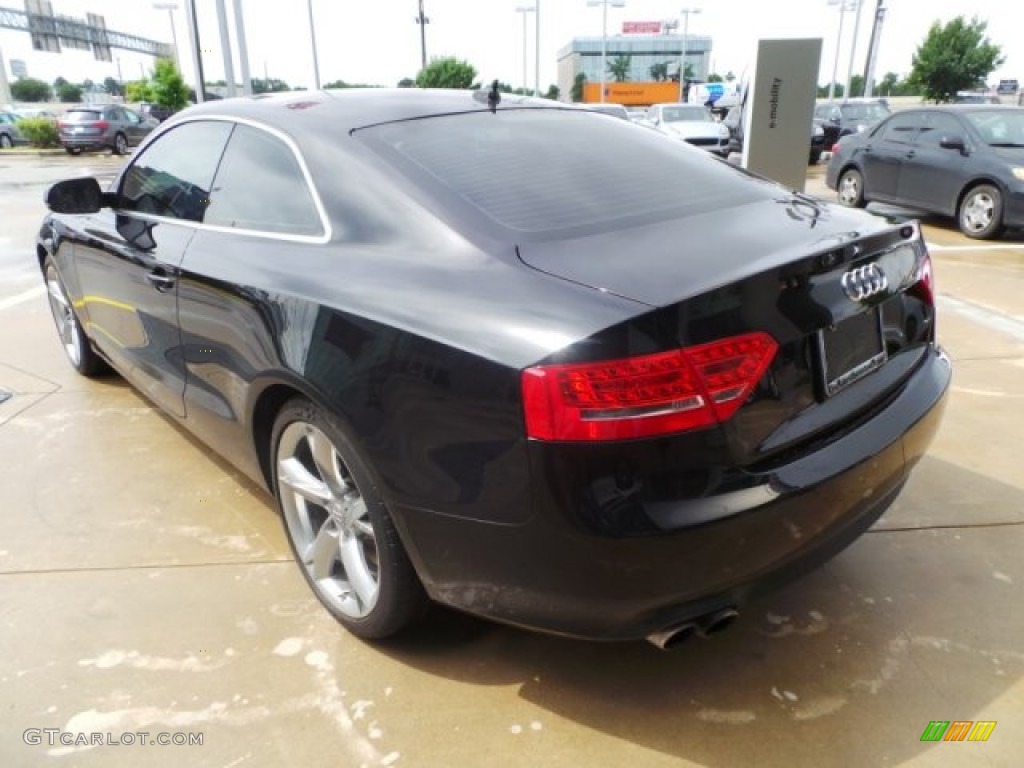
<point>147,587</point>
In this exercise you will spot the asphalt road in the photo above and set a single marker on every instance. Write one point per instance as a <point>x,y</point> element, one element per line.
<point>146,587</point>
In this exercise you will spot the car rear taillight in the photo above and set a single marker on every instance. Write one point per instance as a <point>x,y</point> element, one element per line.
<point>647,395</point>
<point>101,124</point>
<point>924,287</point>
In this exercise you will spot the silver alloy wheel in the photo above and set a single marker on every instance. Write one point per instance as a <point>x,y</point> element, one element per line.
<point>979,209</point>
<point>64,316</point>
<point>849,188</point>
<point>327,520</point>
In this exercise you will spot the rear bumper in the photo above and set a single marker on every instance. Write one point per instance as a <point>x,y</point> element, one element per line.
<point>557,573</point>
<point>85,142</point>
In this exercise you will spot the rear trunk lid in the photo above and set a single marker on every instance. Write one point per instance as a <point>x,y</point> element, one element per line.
<point>839,292</point>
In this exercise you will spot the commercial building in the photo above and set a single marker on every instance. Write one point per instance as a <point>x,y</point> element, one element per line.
<point>583,54</point>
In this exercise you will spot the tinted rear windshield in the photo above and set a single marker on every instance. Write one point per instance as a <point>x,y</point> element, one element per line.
<point>547,170</point>
<point>81,116</point>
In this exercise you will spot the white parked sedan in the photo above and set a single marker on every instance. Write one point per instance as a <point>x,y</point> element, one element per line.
<point>693,123</point>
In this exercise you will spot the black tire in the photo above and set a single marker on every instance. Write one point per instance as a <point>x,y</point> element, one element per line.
<point>850,188</point>
<point>980,215</point>
<point>815,157</point>
<point>120,144</point>
<point>77,347</point>
<point>348,540</point>
<point>73,150</point>
<point>6,142</point>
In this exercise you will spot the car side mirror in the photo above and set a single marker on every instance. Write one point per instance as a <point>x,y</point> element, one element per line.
<point>76,196</point>
<point>953,142</point>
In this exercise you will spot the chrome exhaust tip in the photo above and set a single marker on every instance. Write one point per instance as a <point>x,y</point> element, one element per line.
<point>673,637</point>
<point>715,622</point>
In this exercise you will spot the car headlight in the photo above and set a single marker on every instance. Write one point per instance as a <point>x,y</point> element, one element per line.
<point>1018,172</point>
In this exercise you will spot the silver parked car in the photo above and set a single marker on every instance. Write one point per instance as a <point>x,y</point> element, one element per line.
<point>693,123</point>
<point>9,133</point>
<point>110,127</point>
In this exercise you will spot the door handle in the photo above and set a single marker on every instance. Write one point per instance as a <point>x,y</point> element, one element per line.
<point>910,155</point>
<point>160,280</point>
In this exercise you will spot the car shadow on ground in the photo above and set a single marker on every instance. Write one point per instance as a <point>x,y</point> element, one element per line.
<point>905,627</point>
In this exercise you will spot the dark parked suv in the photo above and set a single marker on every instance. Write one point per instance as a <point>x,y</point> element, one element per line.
<point>842,118</point>
<point>110,127</point>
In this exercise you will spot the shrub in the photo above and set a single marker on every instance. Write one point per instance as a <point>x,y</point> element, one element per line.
<point>40,131</point>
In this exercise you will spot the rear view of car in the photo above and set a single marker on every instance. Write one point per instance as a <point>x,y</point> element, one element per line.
<point>563,389</point>
<point>109,127</point>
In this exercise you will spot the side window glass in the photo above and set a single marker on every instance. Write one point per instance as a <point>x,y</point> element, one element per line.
<point>173,176</point>
<point>935,126</point>
<point>900,128</point>
<point>260,186</point>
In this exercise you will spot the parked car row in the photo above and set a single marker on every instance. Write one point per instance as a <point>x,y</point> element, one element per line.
<point>86,127</point>
<point>965,161</point>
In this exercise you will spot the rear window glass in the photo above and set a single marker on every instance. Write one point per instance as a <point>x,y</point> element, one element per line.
<point>81,116</point>
<point>546,170</point>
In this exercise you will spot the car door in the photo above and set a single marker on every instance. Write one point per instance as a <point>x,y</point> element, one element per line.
<point>128,261</point>
<point>134,128</point>
<point>264,229</point>
<point>932,177</point>
<point>883,153</point>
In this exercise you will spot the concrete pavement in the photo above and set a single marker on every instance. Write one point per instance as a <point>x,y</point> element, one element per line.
<point>147,587</point>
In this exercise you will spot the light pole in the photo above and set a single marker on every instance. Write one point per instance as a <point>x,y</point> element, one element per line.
<point>853,51</point>
<point>604,35</point>
<point>873,46</point>
<point>312,40</point>
<point>536,48</point>
<point>844,6</point>
<point>525,9</point>
<point>422,20</point>
<point>682,56</point>
<point>171,8</point>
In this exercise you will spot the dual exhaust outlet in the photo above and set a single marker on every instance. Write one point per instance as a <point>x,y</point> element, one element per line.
<point>702,626</point>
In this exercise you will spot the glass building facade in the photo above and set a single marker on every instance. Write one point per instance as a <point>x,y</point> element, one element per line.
<point>583,54</point>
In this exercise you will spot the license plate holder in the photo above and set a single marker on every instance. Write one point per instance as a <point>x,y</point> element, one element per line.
<point>851,350</point>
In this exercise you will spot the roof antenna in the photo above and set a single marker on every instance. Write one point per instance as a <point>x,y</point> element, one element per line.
<point>494,97</point>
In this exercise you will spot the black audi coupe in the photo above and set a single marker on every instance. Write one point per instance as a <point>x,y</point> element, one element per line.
<point>511,356</point>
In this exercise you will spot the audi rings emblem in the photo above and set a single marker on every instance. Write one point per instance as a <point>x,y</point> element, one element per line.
<point>864,282</point>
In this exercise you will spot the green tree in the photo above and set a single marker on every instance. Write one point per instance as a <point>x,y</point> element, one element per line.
<point>887,85</point>
<point>69,93</point>
<point>856,86</point>
<point>169,90</point>
<point>619,67</point>
<point>714,77</point>
<point>406,82</point>
<point>58,82</point>
<point>30,89</point>
<point>447,72</point>
<point>553,93</point>
<point>111,86</point>
<point>138,91</point>
<point>659,71</point>
<point>576,93</point>
<point>953,57</point>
